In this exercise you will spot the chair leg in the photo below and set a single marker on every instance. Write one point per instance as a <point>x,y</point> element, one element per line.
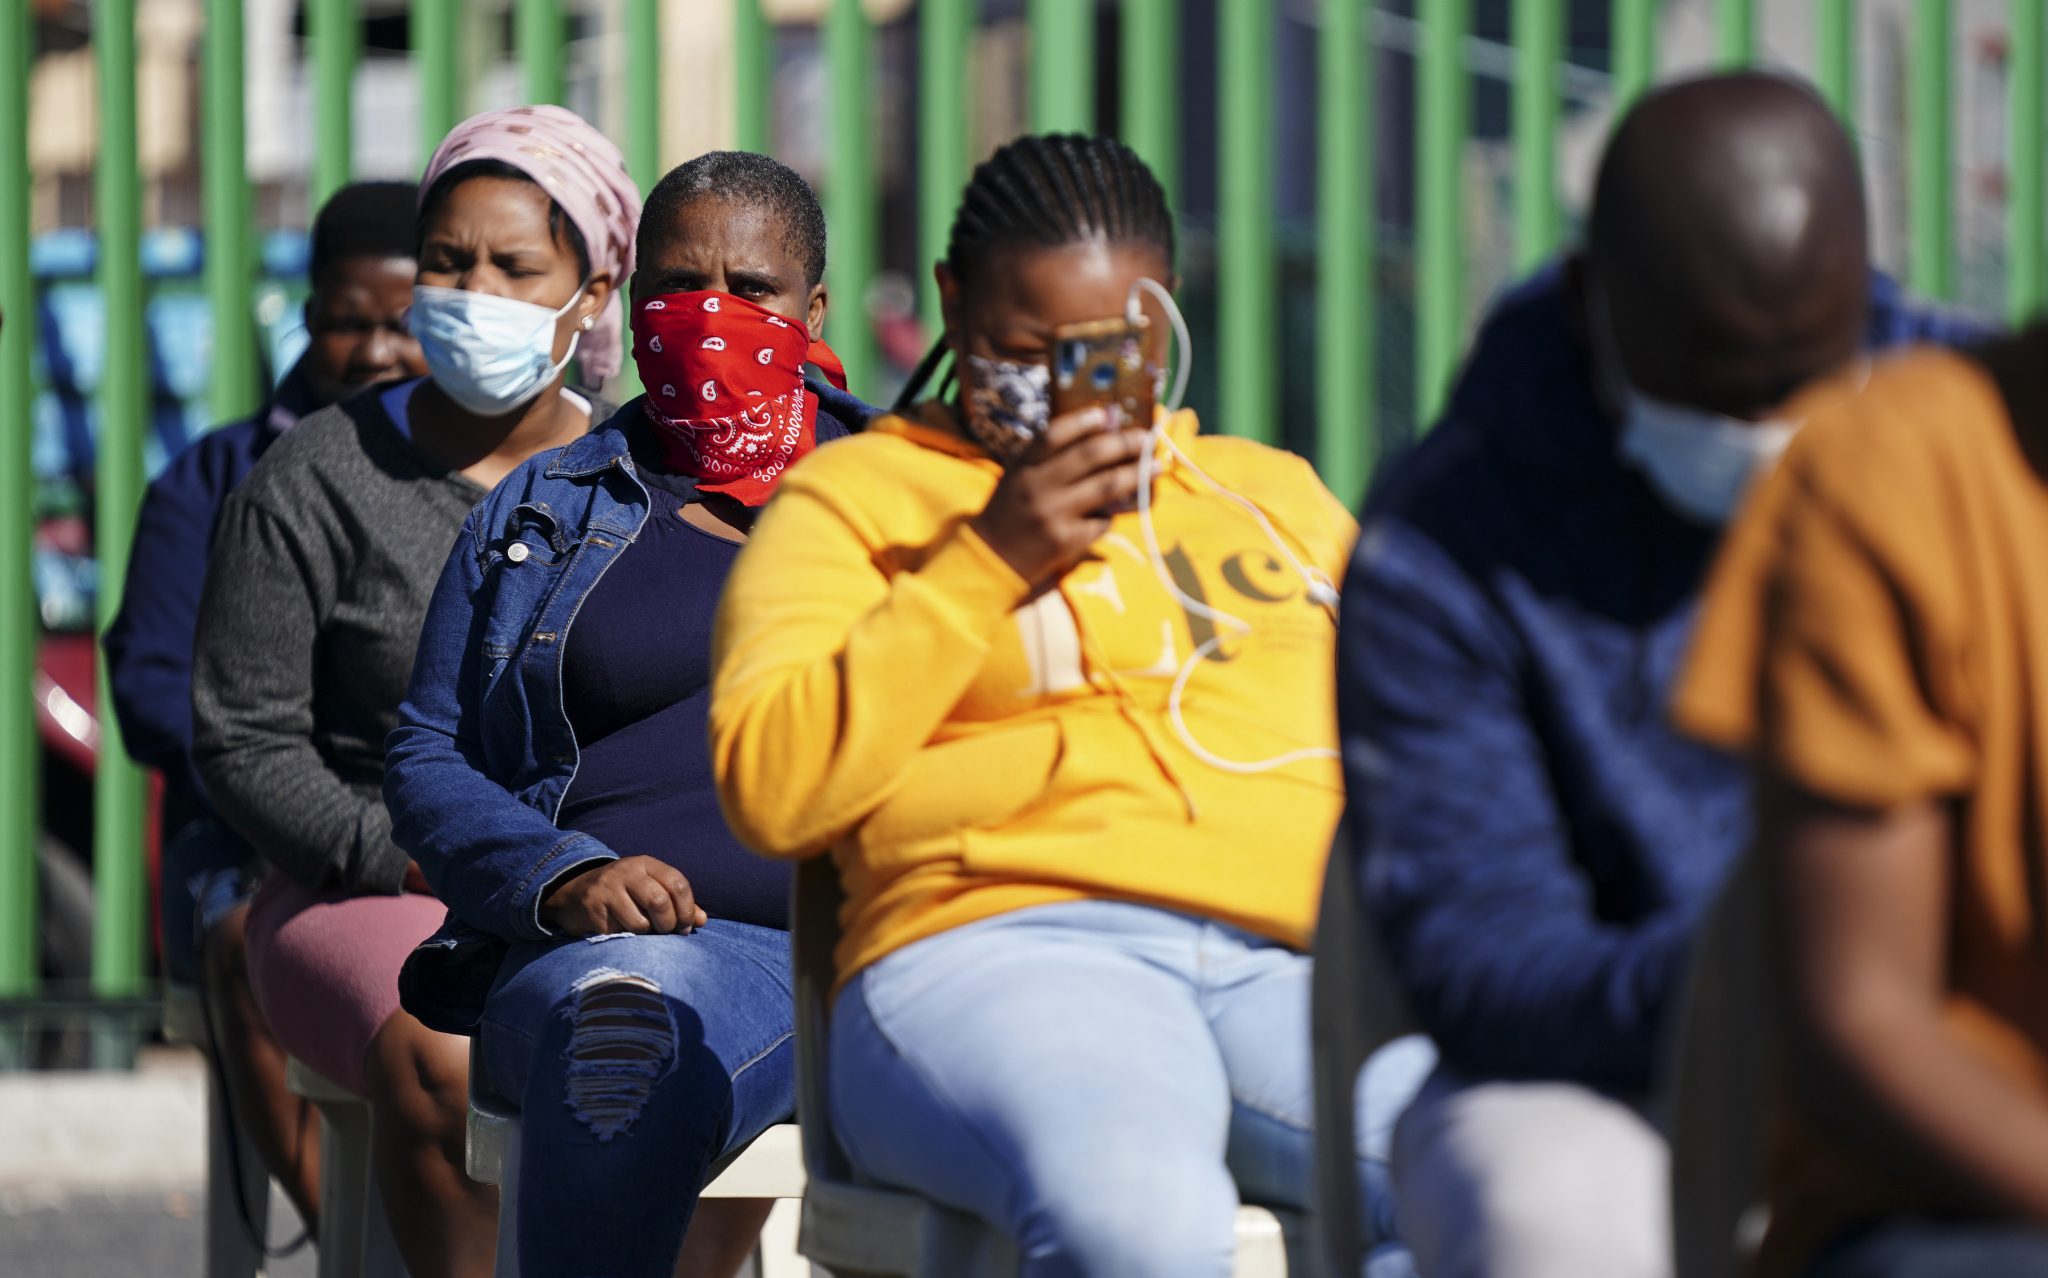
<point>508,1208</point>
<point>355,1240</point>
<point>230,1253</point>
<point>1261,1245</point>
<point>778,1256</point>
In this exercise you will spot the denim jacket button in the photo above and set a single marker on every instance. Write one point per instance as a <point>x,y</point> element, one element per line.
<point>517,552</point>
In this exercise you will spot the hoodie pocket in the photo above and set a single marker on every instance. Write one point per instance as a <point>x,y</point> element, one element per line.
<point>971,783</point>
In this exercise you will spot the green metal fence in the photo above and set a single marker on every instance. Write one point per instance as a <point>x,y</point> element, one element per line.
<point>1062,86</point>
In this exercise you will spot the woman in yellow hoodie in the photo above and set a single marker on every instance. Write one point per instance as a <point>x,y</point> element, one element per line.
<point>1077,770</point>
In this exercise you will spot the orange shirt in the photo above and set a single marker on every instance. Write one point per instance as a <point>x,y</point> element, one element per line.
<point>1876,630</point>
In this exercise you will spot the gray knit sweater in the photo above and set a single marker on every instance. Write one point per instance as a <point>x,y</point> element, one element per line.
<point>322,565</point>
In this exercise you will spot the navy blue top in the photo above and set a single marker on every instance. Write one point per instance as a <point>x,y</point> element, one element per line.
<point>636,681</point>
<point>149,644</point>
<point>1535,840</point>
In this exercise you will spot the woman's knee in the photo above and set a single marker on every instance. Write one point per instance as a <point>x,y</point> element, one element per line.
<point>1164,1224</point>
<point>418,1075</point>
<point>621,1045</point>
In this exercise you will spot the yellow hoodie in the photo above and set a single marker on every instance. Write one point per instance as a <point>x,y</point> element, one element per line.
<point>883,690</point>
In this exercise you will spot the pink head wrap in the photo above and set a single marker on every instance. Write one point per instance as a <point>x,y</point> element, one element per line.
<point>580,170</point>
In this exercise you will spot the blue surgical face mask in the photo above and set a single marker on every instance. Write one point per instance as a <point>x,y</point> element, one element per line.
<point>489,354</point>
<point>1700,463</point>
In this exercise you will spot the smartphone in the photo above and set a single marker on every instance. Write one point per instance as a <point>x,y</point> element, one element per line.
<point>1104,362</point>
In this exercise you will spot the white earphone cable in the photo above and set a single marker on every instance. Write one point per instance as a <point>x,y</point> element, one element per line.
<point>1318,584</point>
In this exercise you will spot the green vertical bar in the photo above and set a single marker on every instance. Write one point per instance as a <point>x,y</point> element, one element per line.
<point>19,792</point>
<point>944,30</point>
<point>1062,66</point>
<point>335,30</point>
<point>753,57</point>
<point>1443,106</point>
<point>1347,372</point>
<point>850,190</point>
<point>119,880</point>
<point>643,93</point>
<point>1151,88</point>
<point>539,30</point>
<point>1927,151</point>
<point>1539,82</point>
<point>1734,33</point>
<point>230,271</point>
<point>1247,273</point>
<point>2026,217</point>
<point>1633,57</point>
<point>1834,56</point>
<point>437,52</point>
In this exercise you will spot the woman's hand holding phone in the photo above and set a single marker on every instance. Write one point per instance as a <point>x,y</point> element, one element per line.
<point>632,894</point>
<point>1049,508</point>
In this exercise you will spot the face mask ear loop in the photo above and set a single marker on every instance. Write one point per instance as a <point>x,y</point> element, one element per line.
<point>575,337</point>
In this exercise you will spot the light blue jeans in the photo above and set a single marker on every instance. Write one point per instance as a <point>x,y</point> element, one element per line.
<point>1101,1081</point>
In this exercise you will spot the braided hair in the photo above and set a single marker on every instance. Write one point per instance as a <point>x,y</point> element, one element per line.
<point>1047,190</point>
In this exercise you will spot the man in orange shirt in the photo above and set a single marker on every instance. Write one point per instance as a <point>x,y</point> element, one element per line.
<point>1875,637</point>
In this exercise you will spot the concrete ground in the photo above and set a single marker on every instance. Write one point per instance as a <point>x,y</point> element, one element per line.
<point>102,1174</point>
<point>96,1234</point>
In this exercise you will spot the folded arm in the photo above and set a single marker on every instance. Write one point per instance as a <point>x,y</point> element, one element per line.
<point>834,671</point>
<point>252,710</point>
<point>1466,859</point>
<point>1865,897</point>
<point>489,856</point>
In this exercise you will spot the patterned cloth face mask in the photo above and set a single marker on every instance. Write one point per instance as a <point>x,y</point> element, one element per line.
<point>1009,406</point>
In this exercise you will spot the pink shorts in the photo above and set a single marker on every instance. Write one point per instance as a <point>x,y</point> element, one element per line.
<point>325,968</point>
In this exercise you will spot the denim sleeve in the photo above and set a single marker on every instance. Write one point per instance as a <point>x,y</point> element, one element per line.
<point>488,855</point>
<point>1465,857</point>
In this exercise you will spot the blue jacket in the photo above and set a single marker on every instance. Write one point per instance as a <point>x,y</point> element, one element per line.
<point>484,752</point>
<point>1535,840</point>
<point>149,644</point>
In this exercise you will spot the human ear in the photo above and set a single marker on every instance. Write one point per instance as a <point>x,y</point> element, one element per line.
<point>814,311</point>
<point>596,292</point>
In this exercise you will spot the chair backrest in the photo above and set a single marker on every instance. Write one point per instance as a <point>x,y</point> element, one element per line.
<point>815,898</point>
<point>1717,1090</point>
<point>1356,1008</point>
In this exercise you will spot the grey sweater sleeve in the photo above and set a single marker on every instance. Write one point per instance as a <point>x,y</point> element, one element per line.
<point>252,711</point>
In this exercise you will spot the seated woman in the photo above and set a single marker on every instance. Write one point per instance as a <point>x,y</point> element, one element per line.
<point>552,776</point>
<point>1077,768</point>
<point>321,569</point>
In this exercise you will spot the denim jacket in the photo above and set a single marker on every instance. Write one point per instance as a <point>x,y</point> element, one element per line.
<point>483,754</point>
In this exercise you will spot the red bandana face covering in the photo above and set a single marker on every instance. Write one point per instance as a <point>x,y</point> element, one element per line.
<point>725,389</point>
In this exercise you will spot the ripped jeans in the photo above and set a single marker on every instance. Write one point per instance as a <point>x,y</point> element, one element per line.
<point>639,1060</point>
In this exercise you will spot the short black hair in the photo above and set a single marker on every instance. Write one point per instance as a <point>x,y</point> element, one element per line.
<point>560,225</point>
<point>746,178</point>
<point>364,219</point>
<point>1050,189</point>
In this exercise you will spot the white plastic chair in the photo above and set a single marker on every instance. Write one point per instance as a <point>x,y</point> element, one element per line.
<point>771,1166</point>
<point>355,1238</point>
<point>1718,1086</point>
<point>230,1251</point>
<point>1356,1007</point>
<point>851,1229</point>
